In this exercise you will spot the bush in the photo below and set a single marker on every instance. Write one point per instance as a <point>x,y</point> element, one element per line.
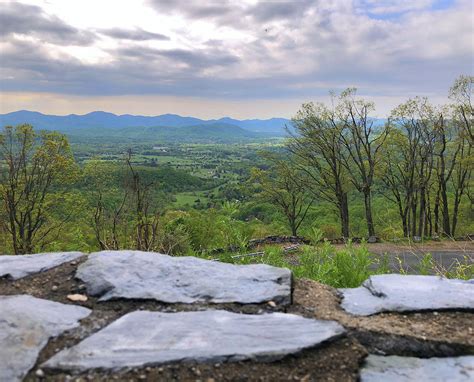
<point>346,268</point>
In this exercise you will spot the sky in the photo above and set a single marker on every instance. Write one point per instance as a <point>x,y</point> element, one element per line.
<point>243,59</point>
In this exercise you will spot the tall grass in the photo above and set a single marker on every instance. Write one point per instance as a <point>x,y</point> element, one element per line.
<point>339,268</point>
<point>348,267</point>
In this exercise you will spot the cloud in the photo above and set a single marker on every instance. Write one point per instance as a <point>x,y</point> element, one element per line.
<point>381,7</point>
<point>284,10</point>
<point>135,35</point>
<point>196,9</point>
<point>249,51</point>
<point>32,21</point>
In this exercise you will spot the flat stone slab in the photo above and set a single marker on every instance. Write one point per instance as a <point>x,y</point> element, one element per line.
<point>400,293</point>
<point>19,266</point>
<point>26,324</point>
<point>149,275</point>
<point>145,338</point>
<point>404,369</point>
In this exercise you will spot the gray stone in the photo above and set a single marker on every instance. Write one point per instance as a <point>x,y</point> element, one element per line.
<point>149,275</point>
<point>399,293</point>
<point>373,239</point>
<point>17,267</point>
<point>145,338</point>
<point>405,369</point>
<point>26,324</point>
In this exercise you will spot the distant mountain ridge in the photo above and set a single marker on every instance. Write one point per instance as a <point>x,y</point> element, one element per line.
<point>73,123</point>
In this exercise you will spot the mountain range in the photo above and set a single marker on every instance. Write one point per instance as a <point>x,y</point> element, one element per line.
<point>161,126</point>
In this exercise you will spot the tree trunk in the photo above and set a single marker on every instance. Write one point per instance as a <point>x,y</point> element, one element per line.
<point>445,205</point>
<point>368,213</point>
<point>344,214</point>
<point>413,219</point>
<point>455,215</point>
<point>422,214</point>
<point>293,226</point>
<point>436,214</point>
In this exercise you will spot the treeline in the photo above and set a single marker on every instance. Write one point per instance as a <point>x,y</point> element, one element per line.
<point>421,160</point>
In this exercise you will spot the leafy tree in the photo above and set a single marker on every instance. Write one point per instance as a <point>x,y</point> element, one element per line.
<point>285,188</point>
<point>318,150</point>
<point>38,166</point>
<point>409,162</point>
<point>462,93</point>
<point>362,142</point>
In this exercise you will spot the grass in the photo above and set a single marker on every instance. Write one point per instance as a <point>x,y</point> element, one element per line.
<point>348,267</point>
<point>189,198</point>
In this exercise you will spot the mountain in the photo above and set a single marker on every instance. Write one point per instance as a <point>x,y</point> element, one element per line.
<point>101,120</point>
<point>214,132</point>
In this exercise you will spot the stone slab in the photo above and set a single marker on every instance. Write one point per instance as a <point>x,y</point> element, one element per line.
<point>144,338</point>
<point>405,369</point>
<point>26,324</point>
<point>19,266</point>
<point>149,275</point>
<point>401,293</point>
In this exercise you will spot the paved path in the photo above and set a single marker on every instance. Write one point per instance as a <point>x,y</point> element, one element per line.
<point>444,258</point>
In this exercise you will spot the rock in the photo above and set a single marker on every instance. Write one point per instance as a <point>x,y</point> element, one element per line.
<point>17,267</point>
<point>152,338</point>
<point>148,275</point>
<point>373,239</point>
<point>39,373</point>
<point>400,369</point>
<point>400,293</point>
<point>26,324</point>
<point>77,297</point>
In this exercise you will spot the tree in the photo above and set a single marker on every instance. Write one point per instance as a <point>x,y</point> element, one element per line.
<point>409,162</point>
<point>317,148</point>
<point>398,171</point>
<point>462,117</point>
<point>285,188</point>
<point>37,167</point>
<point>461,94</point>
<point>128,217</point>
<point>362,142</point>
<point>146,215</point>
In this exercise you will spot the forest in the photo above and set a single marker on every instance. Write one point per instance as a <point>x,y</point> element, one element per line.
<point>338,173</point>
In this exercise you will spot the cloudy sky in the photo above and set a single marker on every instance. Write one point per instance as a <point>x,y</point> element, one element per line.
<point>243,59</point>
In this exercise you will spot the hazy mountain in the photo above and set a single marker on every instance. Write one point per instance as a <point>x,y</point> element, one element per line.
<point>102,120</point>
<point>214,132</point>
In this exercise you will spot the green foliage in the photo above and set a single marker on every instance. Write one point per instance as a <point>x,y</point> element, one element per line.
<point>37,171</point>
<point>460,269</point>
<point>426,264</point>
<point>346,268</point>
<point>315,235</point>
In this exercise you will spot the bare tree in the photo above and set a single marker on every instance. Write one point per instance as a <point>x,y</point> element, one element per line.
<point>131,220</point>
<point>146,217</point>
